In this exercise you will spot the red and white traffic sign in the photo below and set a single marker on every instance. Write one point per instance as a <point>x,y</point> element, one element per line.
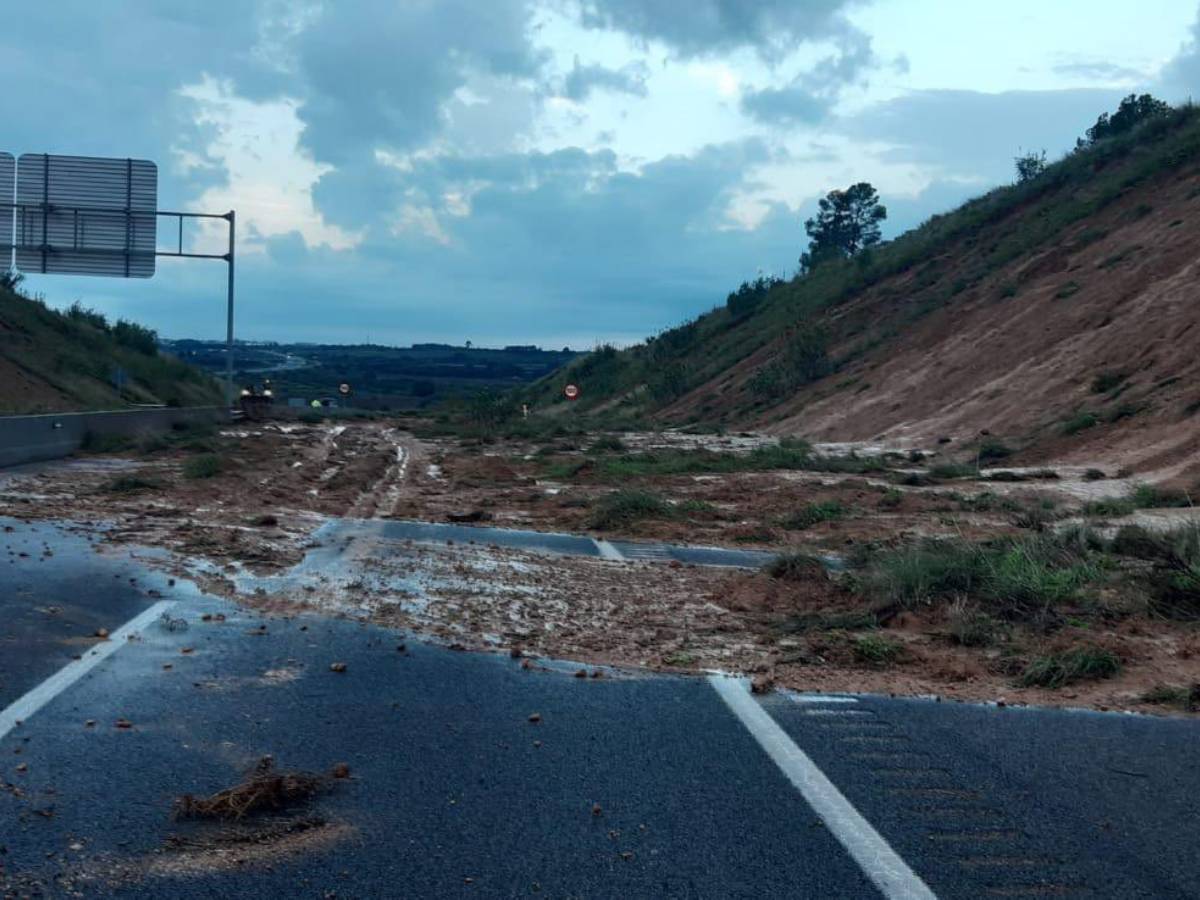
<point>571,392</point>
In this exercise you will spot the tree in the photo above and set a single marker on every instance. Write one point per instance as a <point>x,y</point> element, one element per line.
<point>846,223</point>
<point>1133,111</point>
<point>11,279</point>
<point>750,295</point>
<point>1030,165</point>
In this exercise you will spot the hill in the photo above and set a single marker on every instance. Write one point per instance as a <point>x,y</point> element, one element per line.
<point>1058,315</point>
<point>53,361</point>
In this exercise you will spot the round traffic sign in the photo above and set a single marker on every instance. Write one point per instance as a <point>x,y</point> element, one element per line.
<point>344,389</point>
<point>571,392</point>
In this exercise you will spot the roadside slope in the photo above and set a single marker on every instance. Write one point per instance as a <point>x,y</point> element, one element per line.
<point>1059,315</point>
<point>54,361</point>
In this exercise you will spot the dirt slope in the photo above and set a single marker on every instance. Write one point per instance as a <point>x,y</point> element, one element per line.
<point>1057,315</point>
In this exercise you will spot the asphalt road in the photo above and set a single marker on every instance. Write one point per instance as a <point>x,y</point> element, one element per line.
<point>626,786</point>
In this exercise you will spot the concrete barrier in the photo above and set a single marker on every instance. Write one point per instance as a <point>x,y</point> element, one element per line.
<point>25,439</point>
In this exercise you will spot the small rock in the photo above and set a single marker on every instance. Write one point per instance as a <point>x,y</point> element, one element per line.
<point>596,810</point>
<point>123,723</point>
<point>535,718</point>
<point>90,723</point>
<point>762,684</point>
<point>23,767</point>
<point>675,564</point>
<point>582,673</point>
<point>400,648</point>
<point>337,667</point>
<point>537,743</point>
<point>341,770</point>
<point>101,632</point>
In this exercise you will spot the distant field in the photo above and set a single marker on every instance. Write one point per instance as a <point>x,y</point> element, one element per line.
<point>381,377</point>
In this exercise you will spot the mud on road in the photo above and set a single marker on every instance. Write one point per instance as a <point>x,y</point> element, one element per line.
<point>246,529</point>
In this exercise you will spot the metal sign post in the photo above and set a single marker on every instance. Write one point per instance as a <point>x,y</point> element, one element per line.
<point>86,215</point>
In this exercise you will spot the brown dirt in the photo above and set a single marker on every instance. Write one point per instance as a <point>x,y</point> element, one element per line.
<point>642,615</point>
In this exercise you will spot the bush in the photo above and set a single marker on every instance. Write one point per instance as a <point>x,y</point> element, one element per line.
<point>1084,662</point>
<point>205,466</point>
<point>1079,422</point>
<point>991,449</point>
<point>877,650</point>
<point>1108,380</point>
<point>813,514</point>
<point>98,442</point>
<point>622,508</point>
<point>1185,698</point>
<point>795,567</point>
<point>971,627</point>
<point>607,443</point>
<point>130,484</point>
<point>136,337</point>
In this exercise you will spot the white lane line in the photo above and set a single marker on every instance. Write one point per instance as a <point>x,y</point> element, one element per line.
<point>821,698</point>
<point>865,845</point>
<point>24,707</point>
<point>607,550</point>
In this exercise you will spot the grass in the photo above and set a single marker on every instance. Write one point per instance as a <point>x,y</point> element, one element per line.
<point>1080,422</point>
<point>623,508</point>
<point>795,456</point>
<point>951,470</point>
<point>813,514</point>
<point>1108,380</point>
<point>206,465</point>
<point>794,566</point>
<point>97,442</point>
<point>992,449</point>
<point>1143,496</point>
<point>877,650</point>
<point>1084,662</point>
<point>607,443</point>
<point>131,484</point>
<point>1015,579</point>
<point>1184,698</point>
<point>971,627</point>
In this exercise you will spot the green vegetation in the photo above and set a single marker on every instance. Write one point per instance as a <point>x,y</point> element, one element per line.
<point>1108,380</point>
<point>621,509</point>
<point>204,466</point>
<point>846,224</point>
<point>71,358</point>
<point>1184,698</point>
<point>1081,663</point>
<point>1080,422</point>
<point>877,650</point>
<point>813,514</point>
<point>991,449</point>
<point>131,484</point>
<point>794,566</point>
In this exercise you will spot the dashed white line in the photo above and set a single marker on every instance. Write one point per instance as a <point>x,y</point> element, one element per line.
<point>24,707</point>
<point>865,845</point>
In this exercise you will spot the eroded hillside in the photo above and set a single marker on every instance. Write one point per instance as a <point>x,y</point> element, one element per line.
<point>1058,315</point>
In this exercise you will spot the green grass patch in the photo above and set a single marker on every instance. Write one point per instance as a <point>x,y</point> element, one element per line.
<point>877,650</point>
<point>813,514</point>
<point>206,465</point>
<point>623,508</point>
<point>1181,697</point>
<point>1080,422</point>
<point>1082,663</point>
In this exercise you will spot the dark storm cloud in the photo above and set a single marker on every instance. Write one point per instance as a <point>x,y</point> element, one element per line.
<point>581,81</point>
<point>773,28</point>
<point>381,76</point>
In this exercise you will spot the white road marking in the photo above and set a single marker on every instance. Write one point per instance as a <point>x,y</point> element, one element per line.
<point>865,845</point>
<point>24,707</point>
<point>821,698</point>
<point>607,550</point>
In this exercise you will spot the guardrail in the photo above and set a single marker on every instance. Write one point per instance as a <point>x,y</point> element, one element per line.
<point>25,439</point>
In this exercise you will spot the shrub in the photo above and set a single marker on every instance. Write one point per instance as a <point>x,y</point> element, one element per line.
<point>795,567</point>
<point>607,443</point>
<point>204,466</point>
<point>992,448</point>
<point>1083,662</point>
<point>1107,380</point>
<point>136,337</point>
<point>877,650</point>
<point>971,627</point>
<point>813,514</point>
<point>98,442</point>
<point>1079,422</point>
<point>1185,698</point>
<point>623,508</point>
<point>130,484</point>
<point>891,499</point>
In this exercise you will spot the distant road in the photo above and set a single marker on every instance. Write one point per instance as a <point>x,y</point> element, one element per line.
<point>288,363</point>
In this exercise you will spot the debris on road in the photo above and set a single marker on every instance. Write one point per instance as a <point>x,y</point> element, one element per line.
<point>265,788</point>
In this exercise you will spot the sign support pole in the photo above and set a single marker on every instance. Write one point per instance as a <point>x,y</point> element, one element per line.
<point>231,216</point>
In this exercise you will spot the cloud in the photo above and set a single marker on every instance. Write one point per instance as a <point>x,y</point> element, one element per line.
<point>581,81</point>
<point>772,28</point>
<point>381,76</point>
<point>975,134</point>
<point>1180,78</point>
<point>1098,70</point>
<point>811,95</point>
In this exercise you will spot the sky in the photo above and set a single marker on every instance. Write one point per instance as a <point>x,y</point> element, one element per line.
<point>558,172</point>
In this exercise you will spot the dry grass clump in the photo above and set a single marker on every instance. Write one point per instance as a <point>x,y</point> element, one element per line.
<point>265,788</point>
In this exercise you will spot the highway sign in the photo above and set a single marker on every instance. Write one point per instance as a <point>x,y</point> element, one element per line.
<point>84,215</point>
<point>571,392</point>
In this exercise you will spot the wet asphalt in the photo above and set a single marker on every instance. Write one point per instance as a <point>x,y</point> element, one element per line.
<point>626,786</point>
